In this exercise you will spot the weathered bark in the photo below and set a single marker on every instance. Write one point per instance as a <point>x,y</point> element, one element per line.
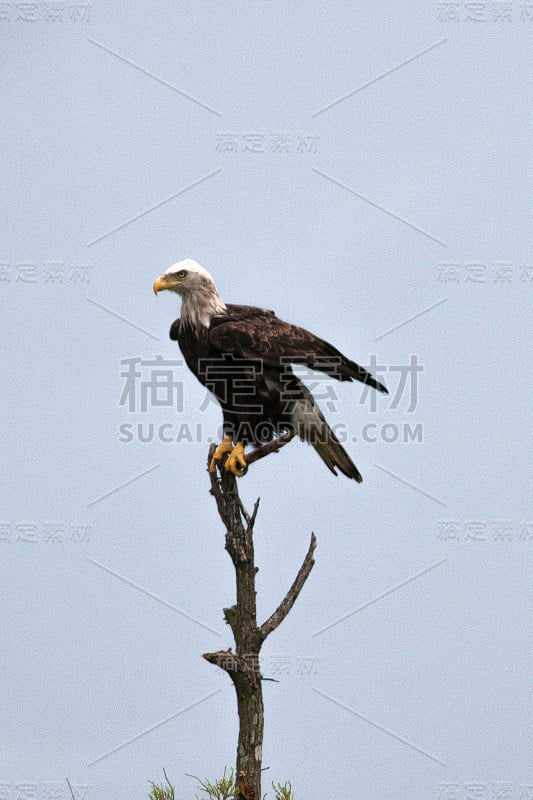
<point>243,665</point>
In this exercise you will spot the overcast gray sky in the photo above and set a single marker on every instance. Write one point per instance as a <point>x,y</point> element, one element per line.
<point>365,170</point>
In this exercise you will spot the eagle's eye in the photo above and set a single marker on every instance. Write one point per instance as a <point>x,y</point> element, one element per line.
<point>182,273</point>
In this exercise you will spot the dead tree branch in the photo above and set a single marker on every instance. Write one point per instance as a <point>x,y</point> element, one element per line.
<point>270,447</point>
<point>243,666</point>
<point>288,601</point>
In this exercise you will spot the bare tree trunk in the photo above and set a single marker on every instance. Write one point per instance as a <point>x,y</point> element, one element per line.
<point>243,665</point>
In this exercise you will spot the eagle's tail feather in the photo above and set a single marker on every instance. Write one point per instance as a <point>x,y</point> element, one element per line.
<point>334,455</point>
<point>313,428</point>
<point>353,370</point>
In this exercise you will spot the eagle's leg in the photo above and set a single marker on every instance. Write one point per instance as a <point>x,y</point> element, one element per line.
<point>236,462</point>
<point>225,446</point>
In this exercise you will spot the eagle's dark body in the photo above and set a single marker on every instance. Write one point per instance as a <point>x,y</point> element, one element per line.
<point>244,356</point>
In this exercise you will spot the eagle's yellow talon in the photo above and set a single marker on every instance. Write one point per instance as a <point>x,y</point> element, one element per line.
<point>236,461</point>
<point>225,446</point>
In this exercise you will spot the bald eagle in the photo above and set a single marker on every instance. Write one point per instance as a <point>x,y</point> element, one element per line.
<point>243,355</point>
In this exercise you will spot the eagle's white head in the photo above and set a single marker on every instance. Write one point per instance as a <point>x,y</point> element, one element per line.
<point>199,295</point>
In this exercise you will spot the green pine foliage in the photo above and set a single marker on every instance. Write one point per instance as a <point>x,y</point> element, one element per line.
<point>283,792</point>
<point>164,792</point>
<point>222,789</point>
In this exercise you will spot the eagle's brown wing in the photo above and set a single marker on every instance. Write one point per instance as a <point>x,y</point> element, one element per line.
<point>255,333</point>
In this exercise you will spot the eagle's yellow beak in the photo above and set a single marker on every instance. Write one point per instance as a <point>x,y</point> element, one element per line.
<point>160,284</point>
